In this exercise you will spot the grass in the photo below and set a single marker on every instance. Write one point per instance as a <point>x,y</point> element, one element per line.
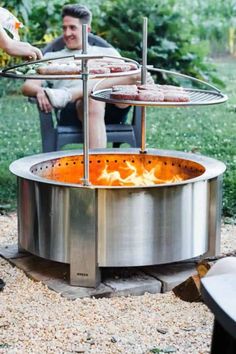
<point>209,130</point>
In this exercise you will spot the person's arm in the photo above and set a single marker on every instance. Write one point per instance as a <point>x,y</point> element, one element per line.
<point>33,88</point>
<point>17,48</point>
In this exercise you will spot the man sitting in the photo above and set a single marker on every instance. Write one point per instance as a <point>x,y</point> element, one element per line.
<point>67,91</point>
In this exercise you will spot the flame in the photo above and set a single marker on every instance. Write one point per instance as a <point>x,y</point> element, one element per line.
<point>136,177</point>
<point>121,170</point>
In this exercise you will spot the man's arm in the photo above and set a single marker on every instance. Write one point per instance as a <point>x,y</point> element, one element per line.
<point>17,48</point>
<point>33,88</point>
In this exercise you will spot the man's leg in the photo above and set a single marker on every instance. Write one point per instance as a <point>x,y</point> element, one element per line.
<point>97,129</point>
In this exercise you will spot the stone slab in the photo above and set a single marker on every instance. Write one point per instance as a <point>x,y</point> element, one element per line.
<point>115,281</point>
<point>171,275</point>
<point>75,292</point>
<point>12,251</point>
<point>37,265</point>
<point>135,283</point>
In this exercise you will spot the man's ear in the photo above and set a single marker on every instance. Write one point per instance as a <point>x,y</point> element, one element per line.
<point>89,28</point>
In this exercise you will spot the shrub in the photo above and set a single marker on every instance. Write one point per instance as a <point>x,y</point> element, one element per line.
<point>170,43</point>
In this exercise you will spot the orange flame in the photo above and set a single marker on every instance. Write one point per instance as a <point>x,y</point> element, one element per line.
<point>136,177</point>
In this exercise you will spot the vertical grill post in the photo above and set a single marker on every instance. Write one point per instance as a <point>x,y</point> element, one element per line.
<point>143,81</point>
<point>85,104</point>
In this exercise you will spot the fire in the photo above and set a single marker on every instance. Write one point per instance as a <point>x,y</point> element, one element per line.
<point>121,170</point>
<point>136,177</point>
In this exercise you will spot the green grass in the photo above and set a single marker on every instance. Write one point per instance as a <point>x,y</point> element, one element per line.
<point>209,130</point>
<point>19,136</point>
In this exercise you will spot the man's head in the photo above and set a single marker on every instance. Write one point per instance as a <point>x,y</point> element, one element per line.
<point>73,17</point>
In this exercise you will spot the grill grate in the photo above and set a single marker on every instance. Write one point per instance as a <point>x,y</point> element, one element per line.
<point>197,97</point>
<point>15,72</point>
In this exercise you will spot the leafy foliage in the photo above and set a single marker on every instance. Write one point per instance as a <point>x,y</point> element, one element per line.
<point>170,44</point>
<point>213,21</point>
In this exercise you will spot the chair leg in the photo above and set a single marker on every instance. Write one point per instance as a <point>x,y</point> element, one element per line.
<point>48,132</point>
<point>137,125</point>
<point>222,341</point>
<point>116,145</point>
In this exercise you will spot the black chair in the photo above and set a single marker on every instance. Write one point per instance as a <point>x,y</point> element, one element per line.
<point>55,135</point>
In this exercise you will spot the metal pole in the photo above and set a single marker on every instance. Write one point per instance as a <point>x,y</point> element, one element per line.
<point>143,81</point>
<point>85,104</point>
<point>144,51</point>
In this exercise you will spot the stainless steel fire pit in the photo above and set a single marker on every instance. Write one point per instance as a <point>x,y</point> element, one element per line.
<point>110,226</point>
<point>112,208</point>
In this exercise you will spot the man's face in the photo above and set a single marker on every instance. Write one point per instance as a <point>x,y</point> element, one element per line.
<point>72,32</point>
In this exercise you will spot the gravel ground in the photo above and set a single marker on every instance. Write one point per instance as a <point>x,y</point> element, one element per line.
<point>34,319</point>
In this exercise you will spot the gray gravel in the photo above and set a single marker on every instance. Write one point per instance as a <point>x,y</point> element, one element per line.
<point>34,319</point>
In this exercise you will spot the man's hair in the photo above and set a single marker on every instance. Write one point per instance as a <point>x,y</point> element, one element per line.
<point>78,11</point>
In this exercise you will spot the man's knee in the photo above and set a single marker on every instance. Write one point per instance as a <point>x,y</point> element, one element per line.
<point>96,108</point>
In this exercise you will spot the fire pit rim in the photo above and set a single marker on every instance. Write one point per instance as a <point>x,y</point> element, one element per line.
<point>22,167</point>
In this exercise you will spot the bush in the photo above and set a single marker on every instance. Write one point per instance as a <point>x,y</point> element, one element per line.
<point>170,43</point>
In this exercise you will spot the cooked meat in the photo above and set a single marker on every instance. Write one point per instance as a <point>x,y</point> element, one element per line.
<point>59,69</point>
<point>124,95</point>
<point>176,96</point>
<point>116,68</point>
<point>149,87</point>
<point>99,70</point>
<point>150,96</point>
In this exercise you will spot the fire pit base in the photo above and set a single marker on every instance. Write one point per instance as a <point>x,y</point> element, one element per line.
<point>102,226</point>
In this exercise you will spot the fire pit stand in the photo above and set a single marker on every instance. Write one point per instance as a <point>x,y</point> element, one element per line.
<point>66,213</point>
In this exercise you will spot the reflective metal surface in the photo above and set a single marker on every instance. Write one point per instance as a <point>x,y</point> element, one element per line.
<point>112,226</point>
<point>26,166</point>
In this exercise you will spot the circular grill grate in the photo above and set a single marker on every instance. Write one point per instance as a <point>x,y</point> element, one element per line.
<point>197,97</point>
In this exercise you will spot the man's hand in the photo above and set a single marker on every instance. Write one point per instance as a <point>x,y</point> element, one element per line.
<point>43,101</point>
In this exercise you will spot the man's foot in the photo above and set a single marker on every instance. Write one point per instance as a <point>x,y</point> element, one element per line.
<point>58,97</point>
<point>2,284</point>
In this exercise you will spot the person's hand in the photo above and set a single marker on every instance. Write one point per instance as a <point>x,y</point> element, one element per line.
<point>23,49</point>
<point>43,101</point>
